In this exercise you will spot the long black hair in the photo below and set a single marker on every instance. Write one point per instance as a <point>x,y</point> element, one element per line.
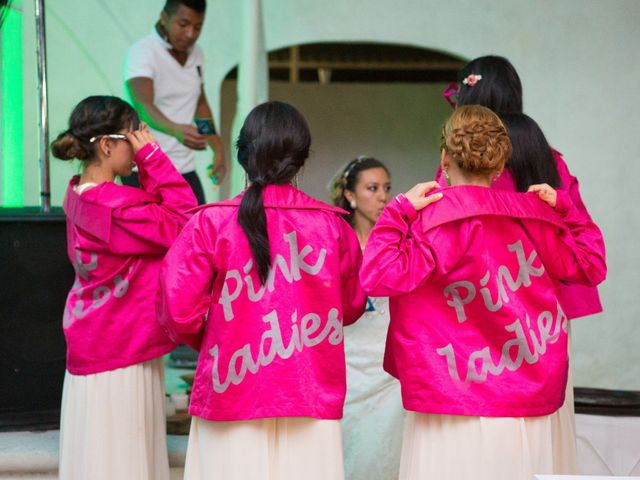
<point>272,147</point>
<point>499,89</point>
<point>532,159</point>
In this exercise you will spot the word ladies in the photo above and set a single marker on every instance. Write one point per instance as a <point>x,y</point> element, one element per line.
<point>514,351</point>
<point>272,344</point>
<point>526,346</point>
<point>306,331</point>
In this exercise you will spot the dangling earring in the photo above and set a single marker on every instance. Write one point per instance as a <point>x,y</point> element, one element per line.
<point>246,180</point>
<point>447,177</point>
<point>352,204</point>
<point>294,182</point>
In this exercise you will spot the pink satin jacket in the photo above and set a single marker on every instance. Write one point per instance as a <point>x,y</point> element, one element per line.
<point>116,239</point>
<point>273,350</point>
<point>577,300</point>
<point>476,325</point>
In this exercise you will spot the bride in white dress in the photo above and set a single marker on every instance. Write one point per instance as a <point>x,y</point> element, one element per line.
<point>373,413</point>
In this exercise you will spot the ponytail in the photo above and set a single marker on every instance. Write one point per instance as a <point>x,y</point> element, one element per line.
<point>253,220</point>
<point>272,147</point>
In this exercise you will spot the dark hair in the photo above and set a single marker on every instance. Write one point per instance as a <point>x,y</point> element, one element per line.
<point>96,115</point>
<point>198,5</point>
<point>499,89</point>
<point>272,147</point>
<point>348,178</point>
<point>532,159</point>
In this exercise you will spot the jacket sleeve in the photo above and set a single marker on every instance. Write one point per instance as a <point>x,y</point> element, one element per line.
<point>570,184</point>
<point>150,227</point>
<point>395,261</point>
<point>577,255</point>
<point>354,300</point>
<point>186,281</point>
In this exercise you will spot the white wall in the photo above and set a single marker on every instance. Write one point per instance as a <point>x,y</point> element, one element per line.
<point>579,61</point>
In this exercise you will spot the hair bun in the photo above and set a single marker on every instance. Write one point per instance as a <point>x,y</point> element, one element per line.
<point>477,139</point>
<point>67,147</point>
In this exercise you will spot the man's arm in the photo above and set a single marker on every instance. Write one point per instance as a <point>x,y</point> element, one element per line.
<point>141,93</point>
<point>219,163</point>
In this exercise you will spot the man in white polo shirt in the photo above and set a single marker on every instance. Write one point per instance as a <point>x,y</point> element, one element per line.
<point>163,76</point>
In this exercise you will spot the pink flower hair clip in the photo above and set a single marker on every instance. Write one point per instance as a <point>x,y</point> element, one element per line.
<point>472,79</point>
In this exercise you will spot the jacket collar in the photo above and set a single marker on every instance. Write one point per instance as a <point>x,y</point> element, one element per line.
<point>281,196</point>
<point>92,210</point>
<point>472,201</point>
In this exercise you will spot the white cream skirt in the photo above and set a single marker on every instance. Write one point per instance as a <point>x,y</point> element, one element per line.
<point>113,426</point>
<point>483,448</point>
<point>284,448</point>
<point>564,430</point>
<point>456,447</point>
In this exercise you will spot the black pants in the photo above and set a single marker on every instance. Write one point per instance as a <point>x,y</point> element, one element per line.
<point>191,177</point>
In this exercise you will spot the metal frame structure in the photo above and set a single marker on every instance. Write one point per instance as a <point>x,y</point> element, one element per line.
<point>43,116</point>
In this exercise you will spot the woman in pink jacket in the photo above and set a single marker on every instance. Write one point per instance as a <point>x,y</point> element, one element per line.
<point>493,82</point>
<point>112,419</point>
<point>478,338</point>
<point>262,285</point>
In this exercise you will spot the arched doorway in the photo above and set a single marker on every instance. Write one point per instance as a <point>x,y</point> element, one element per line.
<point>376,99</point>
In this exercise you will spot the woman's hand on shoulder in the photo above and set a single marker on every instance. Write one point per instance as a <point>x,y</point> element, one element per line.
<point>418,197</point>
<point>545,192</point>
<point>139,138</point>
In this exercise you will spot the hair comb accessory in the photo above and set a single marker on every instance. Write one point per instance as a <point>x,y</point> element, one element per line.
<point>451,94</point>
<point>472,79</point>
<point>352,164</point>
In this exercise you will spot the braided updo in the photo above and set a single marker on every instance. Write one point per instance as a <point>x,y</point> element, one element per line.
<point>476,139</point>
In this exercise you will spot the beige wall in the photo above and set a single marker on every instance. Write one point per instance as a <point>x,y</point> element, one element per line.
<point>399,124</point>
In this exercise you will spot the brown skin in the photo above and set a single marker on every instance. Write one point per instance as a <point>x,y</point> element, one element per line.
<point>114,156</point>
<point>371,194</point>
<point>181,30</point>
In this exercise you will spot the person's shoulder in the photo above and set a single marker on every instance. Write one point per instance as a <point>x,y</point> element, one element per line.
<point>141,58</point>
<point>197,52</point>
<point>143,43</point>
<point>144,48</point>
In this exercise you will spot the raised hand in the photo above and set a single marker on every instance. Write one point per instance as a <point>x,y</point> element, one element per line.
<point>139,138</point>
<point>418,195</point>
<point>189,136</point>
<point>545,192</point>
